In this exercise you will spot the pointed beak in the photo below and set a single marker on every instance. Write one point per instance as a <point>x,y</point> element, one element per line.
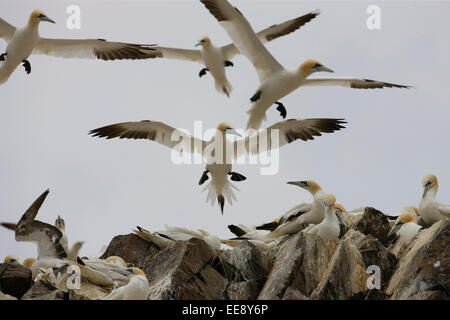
<point>324,69</point>
<point>426,189</point>
<point>124,272</point>
<point>234,132</point>
<point>394,230</point>
<point>47,19</point>
<point>301,184</point>
<point>199,44</point>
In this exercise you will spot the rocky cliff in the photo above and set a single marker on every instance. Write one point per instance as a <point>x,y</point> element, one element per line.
<point>362,265</point>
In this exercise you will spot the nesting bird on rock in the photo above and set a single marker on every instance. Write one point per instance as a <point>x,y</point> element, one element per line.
<point>329,227</point>
<point>301,215</point>
<point>136,289</point>
<point>430,209</point>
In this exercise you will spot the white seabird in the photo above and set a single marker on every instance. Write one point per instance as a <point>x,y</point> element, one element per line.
<point>430,209</point>
<point>220,187</point>
<point>163,239</point>
<point>403,232</point>
<point>300,216</point>
<point>61,225</point>
<point>252,235</point>
<point>11,259</point>
<point>137,288</point>
<point>47,237</point>
<point>215,59</point>
<point>275,81</point>
<point>22,42</point>
<point>329,227</point>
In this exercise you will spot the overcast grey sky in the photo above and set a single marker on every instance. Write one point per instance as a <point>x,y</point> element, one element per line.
<point>105,188</point>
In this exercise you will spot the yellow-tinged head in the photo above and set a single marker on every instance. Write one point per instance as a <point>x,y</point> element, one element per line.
<point>28,262</point>
<point>429,182</point>
<point>405,218</point>
<point>340,207</point>
<point>138,272</point>
<point>11,258</point>
<point>329,200</point>
<point>37,16</point>
<point>309,185</point>
<point>226,128</point>
<point>117,261</point>
<point>312,65</point>
<point>203,41</point>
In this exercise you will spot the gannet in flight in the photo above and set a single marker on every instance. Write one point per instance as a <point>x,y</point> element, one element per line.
<point>329,227</point>
<point>300,216</point>
<point>47,237</point>
<point>136,289</point>
<point>163,239</point>
<point>23,42</point>
<point>405,229</point>
<point>215,59</point>
<point>275,81</point>
<point>220,187</point>
<point>430,209</point>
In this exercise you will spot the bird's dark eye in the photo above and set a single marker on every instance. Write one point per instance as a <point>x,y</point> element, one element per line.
<point>41,16</point>
<point>317,65</point>
<point>203,41</point>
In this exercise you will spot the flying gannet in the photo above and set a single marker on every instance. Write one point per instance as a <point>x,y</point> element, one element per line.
<point>215,59</point>
<point>430,209</point>
<point>220,187</point>
<point>137,288</point>
<point>329,227</point>
<point>275,81</point>
<point>47,237</point>
<point>23,42</point>
<point>163,239</point>
<point>300,216</point>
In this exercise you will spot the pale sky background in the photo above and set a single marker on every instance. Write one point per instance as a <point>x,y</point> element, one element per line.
<point>105,188</point>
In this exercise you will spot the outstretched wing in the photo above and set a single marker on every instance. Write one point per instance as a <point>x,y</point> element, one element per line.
<point>179,54</point>
<point>151,130</point>
<point>354,83</point>
<point>24,224</point>
<point>94,48</point>
<point>285,132</point>
<point>273,32</point>
<point>243,36</point>
<point>6,30</point>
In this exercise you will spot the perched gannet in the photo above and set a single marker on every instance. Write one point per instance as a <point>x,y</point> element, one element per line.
<point>215,59</point>
<point>404,230</point>
<point>275,81</point>
<point>136,289</point>
<point>430,209</point>
<point>47,237</point>
<point>106,267</point>
<point>23,42</point>
<point>261,245</point>
<point>28,262</point>
<point>219,168</point>
<point>302,215</point>
<point>61,225</point>
<point>163,239</point>
<point>329,227</point>
<point>11,258</point>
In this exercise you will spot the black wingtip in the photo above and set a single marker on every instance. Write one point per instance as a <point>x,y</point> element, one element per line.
<point>81,262</point>
<point>221,201</point>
